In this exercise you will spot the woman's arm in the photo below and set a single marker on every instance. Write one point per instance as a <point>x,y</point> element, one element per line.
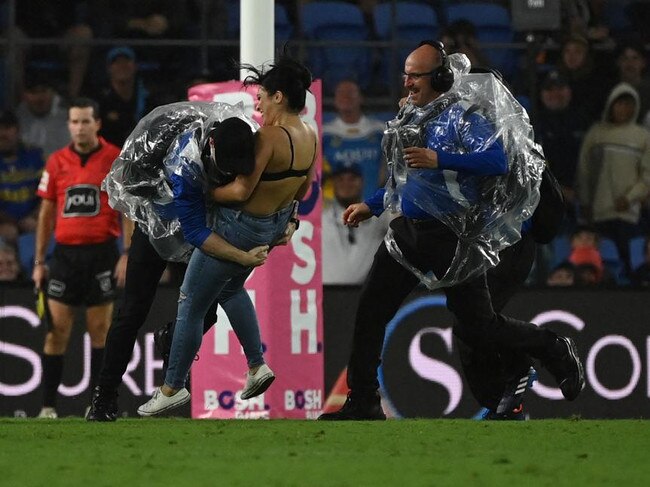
<point>215,246</point>
<point>242,187</point>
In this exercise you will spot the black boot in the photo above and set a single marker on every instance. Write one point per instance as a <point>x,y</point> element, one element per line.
<point>162,339</point>
<point>563,362</point>
<point>357,407</point>
<point>103,406</point>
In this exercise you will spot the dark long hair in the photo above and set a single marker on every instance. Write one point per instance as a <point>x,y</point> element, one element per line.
<point>287,75</point>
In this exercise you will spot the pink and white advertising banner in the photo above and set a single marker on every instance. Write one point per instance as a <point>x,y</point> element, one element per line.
<point>287,293</point>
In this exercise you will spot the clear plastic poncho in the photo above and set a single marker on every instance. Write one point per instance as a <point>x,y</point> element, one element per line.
<point>491,220</point>
<point>138,182</point>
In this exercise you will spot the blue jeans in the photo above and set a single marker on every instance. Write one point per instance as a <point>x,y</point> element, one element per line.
<point>208,278</point>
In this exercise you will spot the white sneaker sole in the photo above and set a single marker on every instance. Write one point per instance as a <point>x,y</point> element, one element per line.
<point>262,385</point>
<point>168,407</point>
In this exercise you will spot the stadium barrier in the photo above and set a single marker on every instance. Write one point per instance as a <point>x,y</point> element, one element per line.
<point>610,327</point>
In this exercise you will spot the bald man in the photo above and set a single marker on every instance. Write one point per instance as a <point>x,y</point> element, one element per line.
<point>452,142</point>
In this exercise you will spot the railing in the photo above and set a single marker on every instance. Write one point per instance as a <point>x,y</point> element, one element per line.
<point>11,43</point>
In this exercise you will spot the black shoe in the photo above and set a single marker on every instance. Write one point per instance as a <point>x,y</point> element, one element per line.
<point>162,339</point>
<point>103,406</point>
<point>514,391</point>
<point>357,408</point>
<point>510,415</point>
<point>564,364</point>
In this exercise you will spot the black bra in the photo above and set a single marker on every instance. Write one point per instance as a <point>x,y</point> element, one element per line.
<point>291,172</point>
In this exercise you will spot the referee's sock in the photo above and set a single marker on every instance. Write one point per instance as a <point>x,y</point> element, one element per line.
<point>96,361</point>
<point>52,374</point>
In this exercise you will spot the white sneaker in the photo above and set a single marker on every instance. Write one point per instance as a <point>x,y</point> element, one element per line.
<point>258,382</point>
<point>48,413</point>
<point>160,403</point>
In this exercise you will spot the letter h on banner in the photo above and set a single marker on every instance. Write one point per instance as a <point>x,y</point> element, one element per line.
<point>306,322</point>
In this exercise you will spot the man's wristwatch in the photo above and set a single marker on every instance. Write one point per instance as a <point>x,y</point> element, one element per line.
<point>38,262</point>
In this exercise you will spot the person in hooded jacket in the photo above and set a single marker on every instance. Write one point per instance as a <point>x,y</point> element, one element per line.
<point>614,170</point>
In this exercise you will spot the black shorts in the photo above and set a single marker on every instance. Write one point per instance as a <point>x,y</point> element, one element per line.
<point>83,274</point>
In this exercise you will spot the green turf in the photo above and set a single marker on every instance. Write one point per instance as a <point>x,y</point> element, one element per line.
<point>171,452</point>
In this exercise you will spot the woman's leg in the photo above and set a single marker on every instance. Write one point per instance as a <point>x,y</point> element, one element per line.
<point>204,280</point>
<point>237,304</point>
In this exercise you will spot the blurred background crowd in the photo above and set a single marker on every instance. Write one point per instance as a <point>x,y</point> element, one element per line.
<point>583,81</point>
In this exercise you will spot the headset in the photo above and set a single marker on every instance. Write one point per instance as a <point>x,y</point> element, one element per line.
<point>442,78</point>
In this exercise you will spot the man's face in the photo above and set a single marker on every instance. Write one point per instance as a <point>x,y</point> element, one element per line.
<point>574,55</point>
<point>348,187</point>
<point>9,268</point>
<point>8,138</point>
<point>417,75</point>
<point>584,238</point>
<point>39,100</point>
<point>122,68</point>
<point>347,97</point>
<point>556,97</point>
<point>631,64</point>
<point>561,277</point>
<point>622,110</point>
<point>83,126</point>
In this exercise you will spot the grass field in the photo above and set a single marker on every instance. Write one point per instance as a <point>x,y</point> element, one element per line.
<point>403,453</point>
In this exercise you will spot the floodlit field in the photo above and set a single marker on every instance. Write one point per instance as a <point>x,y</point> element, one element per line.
<point>400,453</point>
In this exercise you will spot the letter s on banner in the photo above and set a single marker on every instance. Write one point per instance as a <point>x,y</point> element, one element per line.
<point>21,352</point>
<point>435,370</point>
<point>303,250</point>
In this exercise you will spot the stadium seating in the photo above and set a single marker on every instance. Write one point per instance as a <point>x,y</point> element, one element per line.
<point>283,27</point>
<point>561,246</point>
<point>336,21</point>
<point>411,23</point>
<point>492,26</point>
<point>611,259</point>
<point>617,17</point>
<point>637,251</point>
<point>26,244</point>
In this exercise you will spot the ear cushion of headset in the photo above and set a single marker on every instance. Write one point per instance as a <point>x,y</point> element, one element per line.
<point>443,80</point>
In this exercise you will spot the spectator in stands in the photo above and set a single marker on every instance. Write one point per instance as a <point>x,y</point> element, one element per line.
<point>460,36</point>
<point>125,100</point>
<point>586,18</point>
<point>9,265</point>
<point>42,114</point>
<point>562,276</point>
<point>64,19</point>
<point>560,128</point>
<point>348,251</point>
<point>641,275</point>
<point>8,229</point>
<point>20,171</point>
<point>577,65</point>
<point>631,65</point>
<point>614,171</point>
<point>354,138</point>
<point>585,256</point>
<point>86,263</point>
<point>154,20</point>
<point>588,275</point>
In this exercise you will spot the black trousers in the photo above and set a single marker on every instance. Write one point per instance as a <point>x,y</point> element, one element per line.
<point>431,246</point>
<point>487,372</point>
<point>143,273</point>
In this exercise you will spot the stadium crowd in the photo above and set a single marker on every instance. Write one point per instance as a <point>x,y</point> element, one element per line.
<point>590,110</point>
